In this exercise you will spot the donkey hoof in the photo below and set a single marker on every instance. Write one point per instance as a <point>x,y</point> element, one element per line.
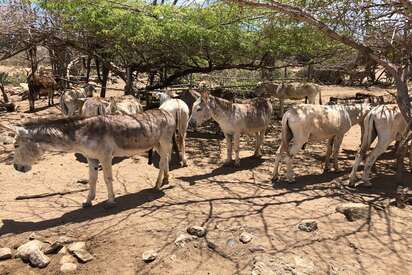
<point>87,204</point>
<point>184,164</point>
<point>236,164</point>
<point>165,181</point>
<point>227,163</point>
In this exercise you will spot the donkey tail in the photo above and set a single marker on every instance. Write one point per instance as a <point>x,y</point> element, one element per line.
<point>287,134</point>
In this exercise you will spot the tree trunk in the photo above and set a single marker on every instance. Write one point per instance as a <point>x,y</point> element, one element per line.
<point>99,76</point>
<point>88,66</point>
<point>3,92</point>
<point>105,76</point>
<point>128,88</point>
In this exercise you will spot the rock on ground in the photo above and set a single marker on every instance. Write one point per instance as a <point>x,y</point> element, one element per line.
<point>5,253</point>
<point>32,252</point>
<point>68,267</point>
<point>308,225</point>
<point>197,231</point>
<point>245,237</point>
<point>149,256</point>
<point>53,248</point>
<point>78,249</point>
<point>354,211</point>
<point>67,259</point>
<point>184,238</point>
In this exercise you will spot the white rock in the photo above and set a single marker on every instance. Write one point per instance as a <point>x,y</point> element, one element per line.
<point>32,252</point>
<point>78,249</point>
<point>197,231</point>
<point>184,238</point>
<point>5,253</point>
<point>67,259</point>
<point>245,237</point>
<point>68,267</point>
<point>149,255</point>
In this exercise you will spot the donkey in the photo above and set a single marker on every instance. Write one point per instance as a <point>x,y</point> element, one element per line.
<point>95,106</point>
<point>99,138</point>
<point>37,84</point>
<point>316,122</point>
<point>234,119</point>
<point>180,111</point>
<point>126,105</point>
<point>71,102</point>
<point>385,123</point>
<point>295,91</point>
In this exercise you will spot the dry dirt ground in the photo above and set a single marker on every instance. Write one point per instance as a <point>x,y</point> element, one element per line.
<point>227,201</point>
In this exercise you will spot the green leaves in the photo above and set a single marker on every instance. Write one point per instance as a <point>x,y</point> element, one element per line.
<point>165,36</point>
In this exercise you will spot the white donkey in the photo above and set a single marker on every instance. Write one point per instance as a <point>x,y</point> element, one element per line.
<point>235,119</point>
<point>179,109</point>
<point>126,105</point>
<point>295,91</point>
<point>316,122</point>
<point>386,123</point>
<point>99,138</point>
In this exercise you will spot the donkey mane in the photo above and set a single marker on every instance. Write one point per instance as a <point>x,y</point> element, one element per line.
<point>52,121</point>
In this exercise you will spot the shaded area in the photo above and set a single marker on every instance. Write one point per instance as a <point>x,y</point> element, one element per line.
<point>123,203</point>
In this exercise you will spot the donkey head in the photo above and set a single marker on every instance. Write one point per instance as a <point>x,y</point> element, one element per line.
<point>27,151</point>
<point>200,110</point>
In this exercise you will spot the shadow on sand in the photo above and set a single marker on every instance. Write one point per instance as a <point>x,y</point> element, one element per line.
<point>123,203</point>
<point>245,164</point>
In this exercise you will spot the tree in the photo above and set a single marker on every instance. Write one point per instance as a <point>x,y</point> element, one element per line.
<point>379,30</point>
<point>171,42</point>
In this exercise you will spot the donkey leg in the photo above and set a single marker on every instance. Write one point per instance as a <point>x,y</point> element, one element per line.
<point>278,160</point>
<point>352,176</point>
<point>380,148</point>
<point>259,141</point>
<point>93,169</point>
<point>336,147</point>
<point>236,142</point>
<point>108,179</point>
<point>229,144</point>
<point>183,142</point>
<point>294,149</point>
<point>328,154</point>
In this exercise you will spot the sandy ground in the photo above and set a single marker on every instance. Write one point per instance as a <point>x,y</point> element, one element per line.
<point>227,201</point>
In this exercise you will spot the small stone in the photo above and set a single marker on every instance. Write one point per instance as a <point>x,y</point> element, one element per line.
<point>63,251</point>
<point>257,248</point>
<point>67,259</point>
<point>245,237</point>
<point>308,225</point>
<point>68,267</point>
<point>183,238</point>
<point>197,231</point>
<point>53,248</point>
<point>32,252</point>
<point>83,181</point>
<point>149,256</point>
<point>231,242</point>
<point>78,249</point>
<point>33,236</point>
<point>354,211</point>
<point>5,253</point>
<point>65,240</point>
